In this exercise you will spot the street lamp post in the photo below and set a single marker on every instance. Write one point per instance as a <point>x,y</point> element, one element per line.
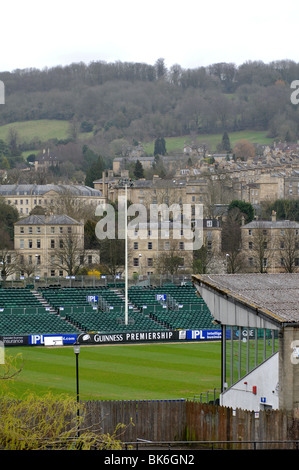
<point>77,352</point>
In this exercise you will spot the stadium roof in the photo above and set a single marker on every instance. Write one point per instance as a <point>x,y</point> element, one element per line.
<point>275,297</point>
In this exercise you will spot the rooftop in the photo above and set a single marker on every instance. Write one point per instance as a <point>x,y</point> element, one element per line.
<point>40,189</point>
<point>276,295</point>
<point>48,220</point>
<point>281,224</point>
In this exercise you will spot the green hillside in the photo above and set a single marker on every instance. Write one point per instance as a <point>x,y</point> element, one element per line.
<point>46,129</point>
<point>43,130</point>
<point>177,143</point>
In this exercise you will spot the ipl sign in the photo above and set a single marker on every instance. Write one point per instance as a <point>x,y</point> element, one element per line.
<point>161,297</point>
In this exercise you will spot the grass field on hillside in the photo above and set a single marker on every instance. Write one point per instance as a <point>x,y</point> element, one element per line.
<point>43,130</point>
<point>120,372</point>
<point>177,143</point>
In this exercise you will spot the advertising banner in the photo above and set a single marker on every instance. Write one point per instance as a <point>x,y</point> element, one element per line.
<point>113,338</point>
<point>204,335</point>
<point>38,340</point>
<point>15,340</point>
<point>128,337</point>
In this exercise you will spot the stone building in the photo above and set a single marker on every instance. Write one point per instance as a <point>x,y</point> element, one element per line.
<point>270,245</point>
<point>50,246</point>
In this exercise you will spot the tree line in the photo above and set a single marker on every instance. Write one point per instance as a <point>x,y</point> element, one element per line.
<point>142,101</point>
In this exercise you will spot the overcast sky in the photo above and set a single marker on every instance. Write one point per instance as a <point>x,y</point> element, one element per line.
<point>191,33</point>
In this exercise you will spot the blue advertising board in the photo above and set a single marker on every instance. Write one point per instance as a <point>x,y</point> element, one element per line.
<point>92,298</point>
<point>39,339</point>
<point>200,335</point>
<point>160,297</point>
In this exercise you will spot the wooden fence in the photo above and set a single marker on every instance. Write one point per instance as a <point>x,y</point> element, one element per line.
<point>179,420</point>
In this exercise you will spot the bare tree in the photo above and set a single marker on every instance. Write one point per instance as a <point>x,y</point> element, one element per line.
<point>23,265</point>
<point>173,259</point>
<point>69,255</point>
<point>289,246</point>
<point>231,242</point>
<point>66,203</point>
<point>261,249</point>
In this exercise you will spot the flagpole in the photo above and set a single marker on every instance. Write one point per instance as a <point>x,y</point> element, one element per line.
<point>126,254</point>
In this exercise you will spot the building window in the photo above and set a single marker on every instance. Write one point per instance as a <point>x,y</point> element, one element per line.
<point>249,232</point>
<point>135,261</point>
<point>149,262</point>
<point>250,245</point>
<point>60,243</point>
<point>21,244</point>
<point>38,243</point>
<point>60,229</point>
<point>29,243</point>
<point>52,229</point>
<point>181,245</point>
<point>89,259</point>
<point>150,246</point>
<point>265,262</point>
<point>52,243</point>
<point>209,223</point>
<point>135,245</point>
<point>69,230</point>
<point>21,229</point>
<point>282,244</point>
<point>37,229</point>
<point>250,261</point>
<point>282,263</point>
<point>52,272</point>
<point>37,259</point>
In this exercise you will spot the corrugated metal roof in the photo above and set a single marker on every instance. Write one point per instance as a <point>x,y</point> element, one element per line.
<point>277,294</point>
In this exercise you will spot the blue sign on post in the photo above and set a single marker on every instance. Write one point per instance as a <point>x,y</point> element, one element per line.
<point>92,298</point>
<point>160,297</point>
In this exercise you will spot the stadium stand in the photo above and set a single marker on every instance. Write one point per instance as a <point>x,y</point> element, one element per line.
<point>54,310</point>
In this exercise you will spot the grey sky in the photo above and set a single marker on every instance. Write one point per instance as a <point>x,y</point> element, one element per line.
<point>190,33</point>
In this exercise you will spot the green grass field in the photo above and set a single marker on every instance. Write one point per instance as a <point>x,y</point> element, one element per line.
<point>177,143</point>
<point>121,372</point>
<point>45,129</point>
<point>129,372</point>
